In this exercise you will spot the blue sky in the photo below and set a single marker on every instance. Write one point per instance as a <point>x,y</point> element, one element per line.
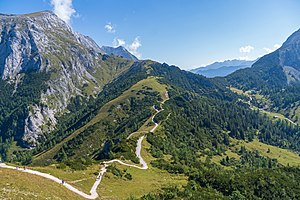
<point>187,33</point>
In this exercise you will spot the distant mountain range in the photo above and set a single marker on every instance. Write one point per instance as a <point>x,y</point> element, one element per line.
<point>223,68</point>
<point>119,51</point>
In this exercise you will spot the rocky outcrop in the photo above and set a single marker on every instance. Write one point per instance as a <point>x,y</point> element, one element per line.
<point>36,123</point>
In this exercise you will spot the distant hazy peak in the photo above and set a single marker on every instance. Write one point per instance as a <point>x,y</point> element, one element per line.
<point>119,51</point>
<point>223,68</point>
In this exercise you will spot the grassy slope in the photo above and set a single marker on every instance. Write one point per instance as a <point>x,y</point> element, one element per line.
<point>283,156</point>
<point>18,185</point>
<point>143,182</point>
<point>82,179</point>
<point>102,114</point>
<point>162,89</point>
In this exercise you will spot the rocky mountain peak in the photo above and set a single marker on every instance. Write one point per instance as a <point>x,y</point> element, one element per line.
<point>289,57</point>
<point>26,40</point>
<point>44,43</point>
<point>119,51</point>
<point>46,19</point>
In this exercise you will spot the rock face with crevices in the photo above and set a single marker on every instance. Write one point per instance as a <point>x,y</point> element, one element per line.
<point>44,43</point>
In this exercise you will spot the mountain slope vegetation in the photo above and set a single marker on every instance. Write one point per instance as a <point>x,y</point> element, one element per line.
<point>275,77</point>
<point>206,133</point>
<point>68,63</point>
<point>202,118</point>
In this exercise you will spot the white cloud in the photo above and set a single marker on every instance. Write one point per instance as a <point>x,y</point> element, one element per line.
<point>63,9</point>
<point>246,49</point>
<point>118,42</point>
<point>110,28</point>
<point>132,48</point>
<point>270,50</point>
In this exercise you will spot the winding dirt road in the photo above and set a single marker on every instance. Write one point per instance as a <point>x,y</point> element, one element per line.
<point>93,192</point>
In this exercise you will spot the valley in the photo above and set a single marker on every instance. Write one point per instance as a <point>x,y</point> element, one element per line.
<point>80,121</point>
<point>264,104</point>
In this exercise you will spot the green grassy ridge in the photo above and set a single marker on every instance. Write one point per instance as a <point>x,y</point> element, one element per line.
<point>118,113</point>
<point>105,114</point>
<point>137,72</point>
<point>143,181</point>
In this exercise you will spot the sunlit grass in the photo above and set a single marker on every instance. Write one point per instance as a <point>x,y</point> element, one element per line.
<point>19,185</point>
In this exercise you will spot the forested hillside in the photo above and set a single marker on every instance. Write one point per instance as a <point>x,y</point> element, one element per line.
<point>199,121</point>
<point>275,77</point>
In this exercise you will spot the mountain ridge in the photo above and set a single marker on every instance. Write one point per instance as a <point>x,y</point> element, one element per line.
<point>119,51</point>
<point>284,61</point>
<point>224,68</point>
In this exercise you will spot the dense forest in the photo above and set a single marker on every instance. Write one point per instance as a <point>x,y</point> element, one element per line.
<point>209,182</point>
<point>207,132</point>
